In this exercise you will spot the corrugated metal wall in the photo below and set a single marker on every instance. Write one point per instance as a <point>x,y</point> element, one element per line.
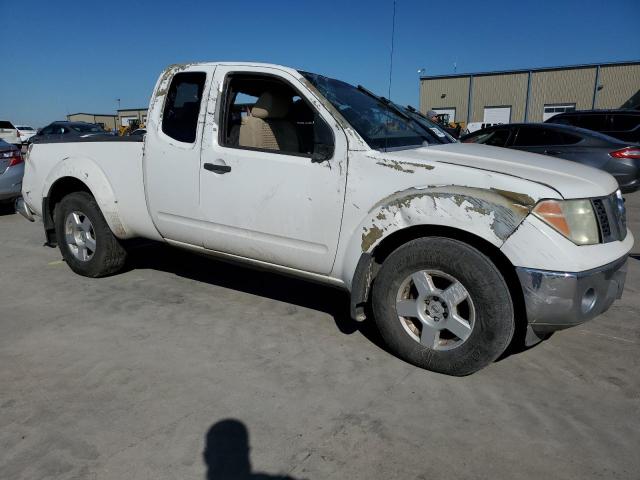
<point>619,84</point>
<point>508,90</point>
<point>561,86</point>
<point>445,93</point>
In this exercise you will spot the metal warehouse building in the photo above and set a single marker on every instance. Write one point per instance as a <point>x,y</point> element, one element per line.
<point>109,121</point>
<point>531,95</point>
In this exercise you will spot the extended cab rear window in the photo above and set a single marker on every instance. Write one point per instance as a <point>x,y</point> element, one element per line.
<point>182,106</point>
<point>6,125</point>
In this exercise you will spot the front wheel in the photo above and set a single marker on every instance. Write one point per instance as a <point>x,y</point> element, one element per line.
<point>442,305</point>
<point>85,239</point>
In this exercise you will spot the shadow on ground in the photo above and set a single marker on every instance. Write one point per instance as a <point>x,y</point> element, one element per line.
<point>320,297</point>
<point>303,293</point>
<point>227,453</point>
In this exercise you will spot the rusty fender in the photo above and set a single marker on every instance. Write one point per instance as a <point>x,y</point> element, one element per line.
<point>488,213</point>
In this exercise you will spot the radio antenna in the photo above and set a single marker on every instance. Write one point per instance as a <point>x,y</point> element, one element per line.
<point>393,32</point>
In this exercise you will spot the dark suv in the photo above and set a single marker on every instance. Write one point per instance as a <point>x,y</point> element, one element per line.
<point>621,124</point>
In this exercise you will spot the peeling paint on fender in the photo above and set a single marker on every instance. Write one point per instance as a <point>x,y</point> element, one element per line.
<point>498,212</point>
<point>370,236</point>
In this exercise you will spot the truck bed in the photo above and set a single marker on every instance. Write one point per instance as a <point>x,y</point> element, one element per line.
<point>116,164</point>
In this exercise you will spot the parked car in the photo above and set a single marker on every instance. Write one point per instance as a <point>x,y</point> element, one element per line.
<point>9,133</point>
<point>25,132</point>
<point>11,171</point>
<point>620,159</point>
<point>452,245</point>
<point>66,130</point>
<point>621,124</point>
<point>475,126</point>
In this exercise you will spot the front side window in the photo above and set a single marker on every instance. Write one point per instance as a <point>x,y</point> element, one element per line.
<point>85,128</point>
<point>182,106</point>
<point>496,138</point>
<point>265,113</point>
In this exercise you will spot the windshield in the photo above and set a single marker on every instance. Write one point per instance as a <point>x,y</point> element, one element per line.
<point>86,128</point>
<point>25,128</point>
<point>377,122</point>
<point>442,135</point>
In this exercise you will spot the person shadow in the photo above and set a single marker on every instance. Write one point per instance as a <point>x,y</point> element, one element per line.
<point>227,452</point>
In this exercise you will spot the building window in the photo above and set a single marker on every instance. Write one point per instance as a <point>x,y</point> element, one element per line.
<point>555,108</point>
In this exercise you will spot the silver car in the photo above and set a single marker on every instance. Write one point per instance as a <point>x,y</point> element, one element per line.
<point>11,171</point>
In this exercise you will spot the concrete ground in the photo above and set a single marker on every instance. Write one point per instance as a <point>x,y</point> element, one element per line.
<point>184,367</point>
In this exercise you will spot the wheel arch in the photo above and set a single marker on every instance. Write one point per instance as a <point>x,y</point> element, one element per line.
<point>75,174</point>
<point>370,262</point>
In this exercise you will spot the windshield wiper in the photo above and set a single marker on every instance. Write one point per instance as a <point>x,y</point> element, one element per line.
<point>385,101</point>
<point>392,106</point>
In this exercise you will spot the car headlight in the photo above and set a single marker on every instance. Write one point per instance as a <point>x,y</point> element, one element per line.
<point>575,219</point>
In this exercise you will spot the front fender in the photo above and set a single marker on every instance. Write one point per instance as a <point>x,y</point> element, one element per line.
<point>489,213</point>
<point>88,172</point>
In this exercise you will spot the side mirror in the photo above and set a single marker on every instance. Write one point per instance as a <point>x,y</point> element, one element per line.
<point>323,144</point>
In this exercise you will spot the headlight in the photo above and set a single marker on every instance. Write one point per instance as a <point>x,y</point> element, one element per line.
<point>574,219</point>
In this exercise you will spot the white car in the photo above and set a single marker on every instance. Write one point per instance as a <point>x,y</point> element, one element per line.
<point>453,246</point>
<point>25,132</point>
<point>9,133</point>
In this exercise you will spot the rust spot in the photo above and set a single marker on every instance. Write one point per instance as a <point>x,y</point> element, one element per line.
<point>370,237</point>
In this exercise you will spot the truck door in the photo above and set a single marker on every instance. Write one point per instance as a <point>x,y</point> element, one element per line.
<point>273,173</point>
<point>172,152</point>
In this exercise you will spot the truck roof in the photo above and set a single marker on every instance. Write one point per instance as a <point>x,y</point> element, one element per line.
<point>238,63</point>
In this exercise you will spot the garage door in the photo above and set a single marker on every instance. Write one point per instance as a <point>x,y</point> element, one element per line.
<point>449,111</point>
<point>497,114</point>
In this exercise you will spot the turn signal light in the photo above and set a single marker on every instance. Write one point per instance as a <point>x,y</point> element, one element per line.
<point>552,213</point>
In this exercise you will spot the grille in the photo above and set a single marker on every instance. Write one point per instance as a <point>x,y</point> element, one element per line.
<point>603,221</point>
<point>610,212</point>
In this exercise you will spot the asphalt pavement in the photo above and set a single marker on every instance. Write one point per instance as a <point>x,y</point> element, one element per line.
<point>185,367</point>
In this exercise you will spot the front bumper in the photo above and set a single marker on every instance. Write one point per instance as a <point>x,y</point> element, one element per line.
<point>557,300</point>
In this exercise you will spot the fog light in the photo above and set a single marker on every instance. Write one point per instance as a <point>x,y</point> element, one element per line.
<point>588,300</point>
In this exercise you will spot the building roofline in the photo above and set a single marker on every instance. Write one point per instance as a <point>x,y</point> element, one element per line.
<point>527,70</point>
<point>94,114</point>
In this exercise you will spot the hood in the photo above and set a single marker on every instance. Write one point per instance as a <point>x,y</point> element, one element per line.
<point>570,179</point>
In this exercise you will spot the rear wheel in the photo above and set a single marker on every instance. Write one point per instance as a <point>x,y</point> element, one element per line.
<point>85,239</point>
<point>442,305</point>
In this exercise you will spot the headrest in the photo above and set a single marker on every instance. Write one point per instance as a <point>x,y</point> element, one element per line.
<point>271,105</point>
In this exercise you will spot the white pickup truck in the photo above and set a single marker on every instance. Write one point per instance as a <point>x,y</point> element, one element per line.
<point>454,247</point>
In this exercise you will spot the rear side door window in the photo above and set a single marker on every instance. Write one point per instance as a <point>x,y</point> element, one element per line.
<point>182,106</point>
<point>531,137</point>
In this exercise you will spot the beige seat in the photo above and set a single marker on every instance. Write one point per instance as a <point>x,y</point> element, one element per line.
<point>266,128</point>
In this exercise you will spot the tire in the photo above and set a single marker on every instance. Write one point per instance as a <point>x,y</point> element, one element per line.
<point>84,238</point>
<point>482,322</point>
